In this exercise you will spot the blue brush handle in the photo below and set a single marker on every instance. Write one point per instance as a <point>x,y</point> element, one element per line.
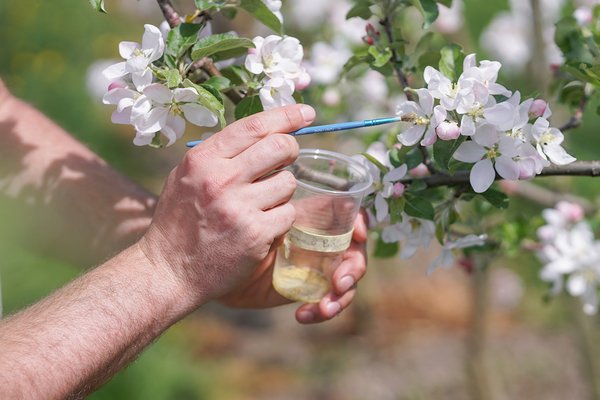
<point>342,126</point>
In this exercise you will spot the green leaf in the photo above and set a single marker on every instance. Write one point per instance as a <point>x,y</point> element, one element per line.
<point>375,162</point>
<point>355,61</point>
<point>98,5</point>
<point>204,5</point>
<point>414,158</point>
<point>214,92</point>
<point>361,9</point>
<point>220,83</point>
<point>208,100</point>
<point>429,10</point>
<point>248,106</point>
<point>380,57</point>
<point>396,207</point>
<point>496,198</point>
<point>262,13</point>
<point>385,250</point>
<point>417,185</point>
<point>451,61</point>
<point>221,42</point>
<point>181,38</point>
<point>444,149</point>
<point>236,74</point>
<point>173,78</point>
<point>418,207</point>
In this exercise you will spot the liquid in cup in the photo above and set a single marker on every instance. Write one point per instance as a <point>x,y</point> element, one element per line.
<point>330,189</point>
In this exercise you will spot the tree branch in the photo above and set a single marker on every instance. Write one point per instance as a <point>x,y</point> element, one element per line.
<point>396,61</point>
<point>577,168</point>
<point>577,118</point>
<point>169,12</point>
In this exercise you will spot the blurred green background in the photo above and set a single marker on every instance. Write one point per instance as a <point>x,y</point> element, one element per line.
<point>408,336</point>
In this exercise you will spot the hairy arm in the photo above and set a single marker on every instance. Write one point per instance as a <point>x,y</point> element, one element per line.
<point>50,183</point>
<point>73,341</point>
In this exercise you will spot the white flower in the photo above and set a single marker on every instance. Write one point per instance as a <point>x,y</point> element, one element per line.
<point>583,15</point>
<point>450,19</point>
<point>411,232</point>
<point>388,189</point>
<point>548,142</point>
<point>160,109</point>
<point>123,98</point>
<point>446,258</point>
<point>276,92</point>
<point>276,56</point>
<point>489,150</point>
<point>425,117</point>
<point>441,87</point>
<point>326,62</point>
<point>138,58</point>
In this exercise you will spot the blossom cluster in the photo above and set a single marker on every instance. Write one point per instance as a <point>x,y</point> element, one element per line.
<point>570,251</point>
<point>150,106</point>
<point>278,63</point>
<point>511,138</point>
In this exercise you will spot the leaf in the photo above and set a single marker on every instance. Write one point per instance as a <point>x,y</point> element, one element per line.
<point>181,38</point>
<point>355,61</point>
<point>361,9</point>
<point>218,43</point>
<point>444,149</point>
<point>414,158</point>
<point>173,78</point>
<point>375,162</point>
<point>380,57</point>
<point>396,207</point>
<point>204,5</point>
<point>236,74</point>
<point>418,207</point>
<point>496,198</point>
<point>248,106</point>
<point>98,5</point>
<point>220,83</point>
<point>451,61</point>
<point>385,250</point>
<point>417,185</point>
<point>429,10</point>
<point>208,100</point>
<point>262,13</point>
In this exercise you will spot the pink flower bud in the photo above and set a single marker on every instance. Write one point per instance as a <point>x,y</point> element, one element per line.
<point>370,29</point>
<point>368,40</point>
<point>537,109</point>
<point>398,189</point>
<point>419,171</point>
<point>571,211</point>
<point>583,16</point>
<point>117,85</point>
<point>448,130</point>
<point>302,82</point>
<point>331,97</point>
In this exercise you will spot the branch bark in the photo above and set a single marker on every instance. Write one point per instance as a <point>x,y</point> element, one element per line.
<point>169,12</point>
<point>396,62</point>
<point>577,168</point>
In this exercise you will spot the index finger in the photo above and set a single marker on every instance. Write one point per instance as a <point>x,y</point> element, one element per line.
<point>242,134</point>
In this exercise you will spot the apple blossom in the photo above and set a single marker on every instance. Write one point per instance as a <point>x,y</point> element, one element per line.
<point>412,233</point>
<point>548,142</point>
<point>446,257</point>
<point>160,109</point>
<point>425,118</point>
<point>139,58</point>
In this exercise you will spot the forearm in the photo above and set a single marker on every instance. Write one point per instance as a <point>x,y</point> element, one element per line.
<point>50,180</point>
<point>74,340</point>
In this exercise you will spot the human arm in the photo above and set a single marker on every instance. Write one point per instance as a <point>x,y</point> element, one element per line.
<point>214,224</point>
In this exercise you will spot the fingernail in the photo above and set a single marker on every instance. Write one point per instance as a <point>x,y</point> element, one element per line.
<point>345,283</point>
<point>306,316</point>
<point>333,309</point>
<point>308,113</point>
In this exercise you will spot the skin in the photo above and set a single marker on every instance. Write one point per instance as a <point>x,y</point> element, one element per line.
<point>212,236</point>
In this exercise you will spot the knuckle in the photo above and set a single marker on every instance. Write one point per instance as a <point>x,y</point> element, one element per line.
<point>254,126</point>
<point>288,181</point>
<point>293,117</point>
<point>284,144</point>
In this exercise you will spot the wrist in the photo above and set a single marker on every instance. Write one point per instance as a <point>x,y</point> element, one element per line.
<point>178,291</point>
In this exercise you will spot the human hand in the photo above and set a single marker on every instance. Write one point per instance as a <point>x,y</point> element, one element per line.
<point>258,291</point>
<point>217,217</point>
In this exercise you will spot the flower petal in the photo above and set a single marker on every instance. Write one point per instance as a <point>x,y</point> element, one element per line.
<point>576,284</point>
<point>482,175</point>
<point>395,174</point>
<point>381,208</point>
<point>558,155</point>
<point>158,93</point>
<point>467,126</point>
<point>115,71</point>
<point>152,42</point>
<point>199,115</point>
<point>412,135</point>
<point>126,49</point>
<point>143,139</point>
<point>142,79</point>
<point>185,95</point>
<point>425,101</point>
<point>507,168</point>
<point>153,121</point>
<point>469,152</point>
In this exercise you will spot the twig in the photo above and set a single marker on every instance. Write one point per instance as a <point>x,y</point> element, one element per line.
<point>169,12</point>
<point>548,198</point>
<point>396,61</point>
<point>577,168</point>
<point>334,182</point>
<point>577,118</point>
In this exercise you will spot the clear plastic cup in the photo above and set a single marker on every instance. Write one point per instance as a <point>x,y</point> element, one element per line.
<point>331,187</point>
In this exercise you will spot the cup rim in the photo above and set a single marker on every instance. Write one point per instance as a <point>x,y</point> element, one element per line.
<point>361,187</point>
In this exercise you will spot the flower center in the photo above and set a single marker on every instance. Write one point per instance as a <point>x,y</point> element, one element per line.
<point>175,109</point>
<point>547,137</point>
<point>421,121</point>
<point>492,152</point>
